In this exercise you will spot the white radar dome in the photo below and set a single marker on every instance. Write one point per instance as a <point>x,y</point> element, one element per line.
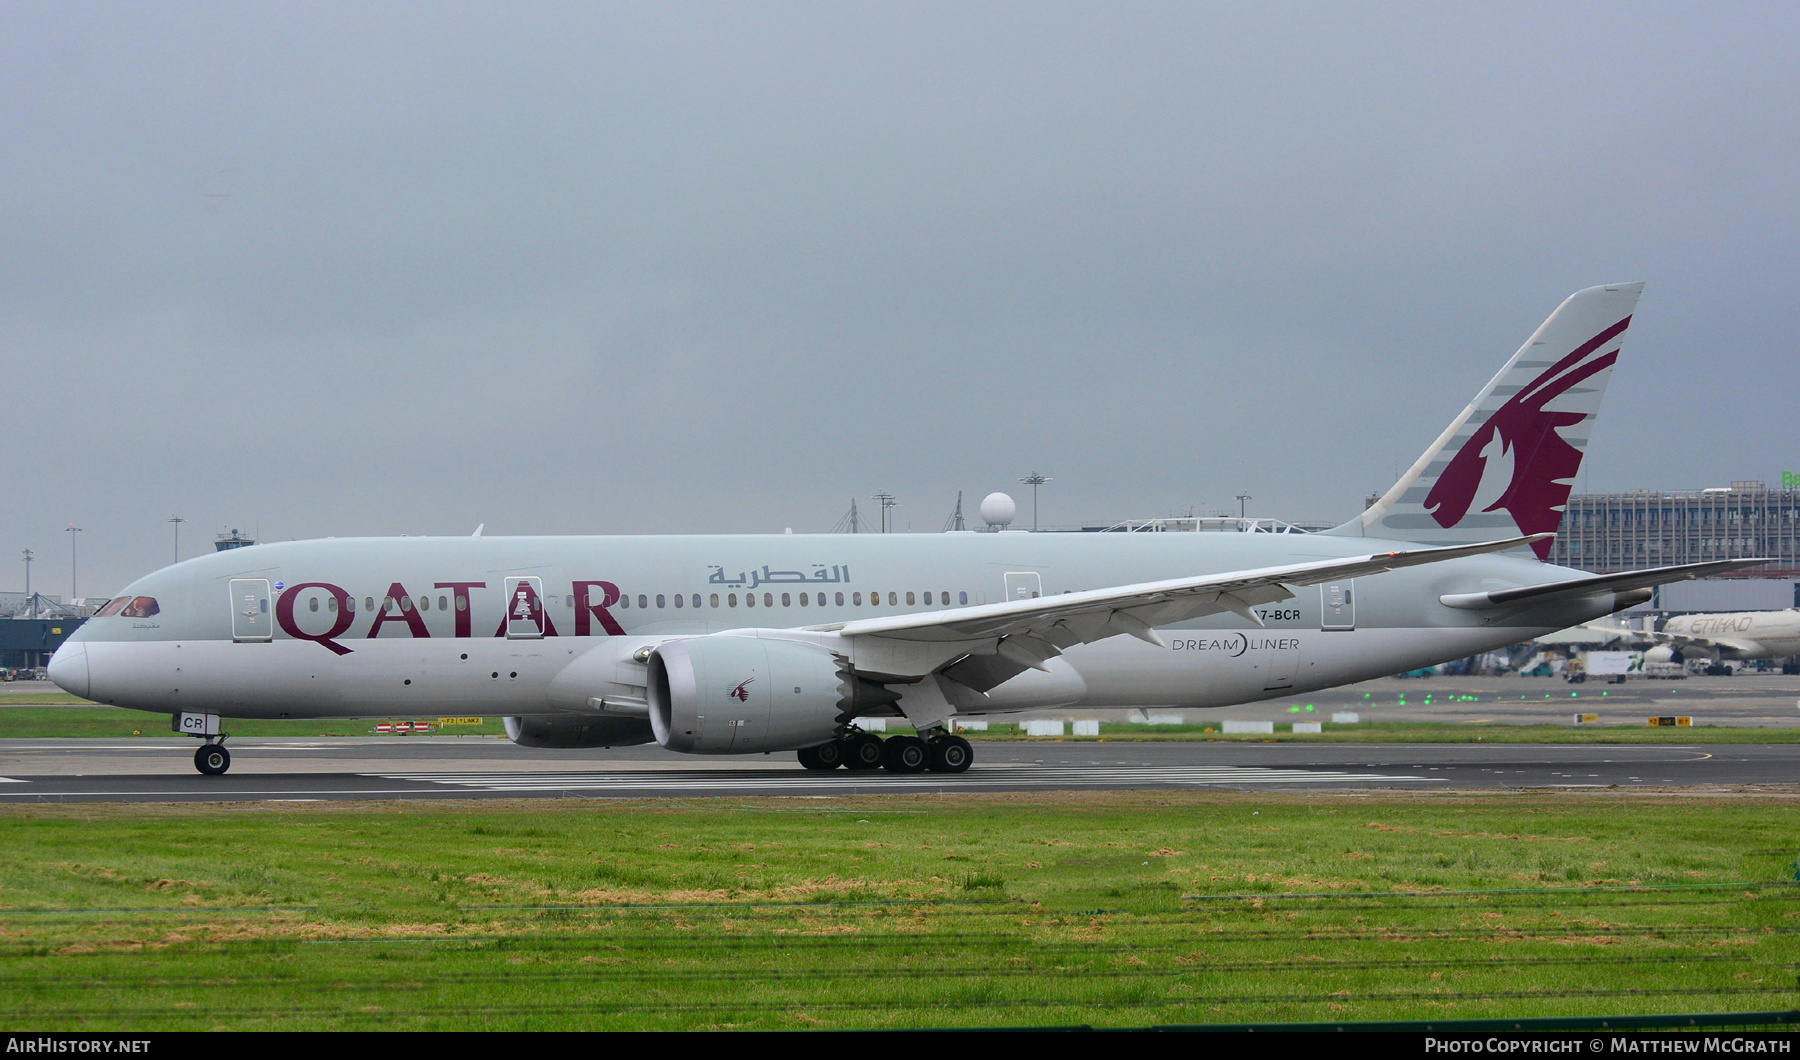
<point>997,509</point>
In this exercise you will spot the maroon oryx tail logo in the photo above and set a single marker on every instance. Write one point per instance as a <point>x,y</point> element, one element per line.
<point>1544,465</point>
<point>741,693</point>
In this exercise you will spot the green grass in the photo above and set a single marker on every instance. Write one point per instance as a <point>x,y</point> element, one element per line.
<point>1122,909</point>
<point>35,722</point>
<point>25,723</point>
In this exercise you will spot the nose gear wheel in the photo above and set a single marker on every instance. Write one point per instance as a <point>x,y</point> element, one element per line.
<point>212,759</point>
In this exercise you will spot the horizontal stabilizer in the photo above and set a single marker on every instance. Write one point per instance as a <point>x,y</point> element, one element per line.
<point>1615,583</point>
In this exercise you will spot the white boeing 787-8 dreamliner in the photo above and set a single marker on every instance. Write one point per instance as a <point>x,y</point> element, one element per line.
<point>739,644</point>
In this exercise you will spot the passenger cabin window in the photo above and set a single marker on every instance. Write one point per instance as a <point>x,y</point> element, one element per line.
<point>855,598</point>
<point>787,600</point>
<point>894,599</point>
<point>660,598</point>
<point>749,599</point>
<point>424,603</point>
<point>643,601</point>
<point>909,599</point>
<point>678,599</point>
<point>962,597</point>
<point>331,603</point>
<point>141,607</point>
<point>714,597</point>
<point>312,604</point>
<point>624,599</point>
<point>697,600</point>
<point>928,597</point>
<point>462,603</point>
<point>840,600</point>
<point>768,599</point>
<point>443,603</point>
<point>368,603</point>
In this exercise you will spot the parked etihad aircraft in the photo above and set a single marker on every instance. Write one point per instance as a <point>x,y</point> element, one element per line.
<point>737,644</point>
<point>1735,637</point>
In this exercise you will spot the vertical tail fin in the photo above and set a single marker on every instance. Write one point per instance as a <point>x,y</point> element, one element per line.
<point>1504,468</point>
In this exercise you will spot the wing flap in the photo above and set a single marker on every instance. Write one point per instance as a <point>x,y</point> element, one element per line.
<point>1617,583</point>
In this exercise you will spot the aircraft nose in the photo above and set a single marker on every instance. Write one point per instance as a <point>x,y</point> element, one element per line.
<point>69,668</point>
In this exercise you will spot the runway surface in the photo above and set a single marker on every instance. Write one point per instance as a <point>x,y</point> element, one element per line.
<point>304,769</point>
<point>1762,700</point>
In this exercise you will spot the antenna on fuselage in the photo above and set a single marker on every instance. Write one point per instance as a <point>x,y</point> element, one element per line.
<point>478,529</point>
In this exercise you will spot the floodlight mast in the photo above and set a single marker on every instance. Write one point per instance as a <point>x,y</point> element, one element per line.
<point>74,532</point>
<point>888,500</point>
<point>1034,480</point>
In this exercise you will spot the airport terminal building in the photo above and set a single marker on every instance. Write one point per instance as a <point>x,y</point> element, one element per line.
<point>1609,532</point>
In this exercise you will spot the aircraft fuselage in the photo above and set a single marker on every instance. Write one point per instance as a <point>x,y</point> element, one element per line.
<point>432,626</point>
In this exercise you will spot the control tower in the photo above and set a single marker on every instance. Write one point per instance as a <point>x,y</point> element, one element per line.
<point>232,540</point>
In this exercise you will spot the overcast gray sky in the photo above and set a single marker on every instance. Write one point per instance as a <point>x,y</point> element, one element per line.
<point>316,269</point>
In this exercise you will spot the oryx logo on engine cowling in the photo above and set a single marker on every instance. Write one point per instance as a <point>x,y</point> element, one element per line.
<point>741,693</point>
<point>1543,464</point>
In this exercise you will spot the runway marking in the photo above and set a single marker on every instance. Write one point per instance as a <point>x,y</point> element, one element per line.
<point>222,794</point>
<point>1044,777</point>
<point>10,780</point>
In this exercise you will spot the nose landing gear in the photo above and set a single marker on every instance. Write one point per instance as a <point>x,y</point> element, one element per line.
<point>212,759</point>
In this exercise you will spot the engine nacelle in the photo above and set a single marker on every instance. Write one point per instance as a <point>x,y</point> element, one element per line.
<point>734,693</point>
<point>561,730</point>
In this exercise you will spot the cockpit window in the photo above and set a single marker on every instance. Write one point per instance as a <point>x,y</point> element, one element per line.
<point>112,607</point>
<point>141,607</point>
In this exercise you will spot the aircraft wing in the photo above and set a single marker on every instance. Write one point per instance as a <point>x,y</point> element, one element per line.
<point>1711,644</point>
<point>1009,637</point>
<point>1623,582</point>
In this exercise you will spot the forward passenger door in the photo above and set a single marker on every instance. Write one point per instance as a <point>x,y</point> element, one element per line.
<point>250,620</point>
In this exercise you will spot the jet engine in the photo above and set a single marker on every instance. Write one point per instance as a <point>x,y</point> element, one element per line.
<point>562,730</point>
<point>732,693</point>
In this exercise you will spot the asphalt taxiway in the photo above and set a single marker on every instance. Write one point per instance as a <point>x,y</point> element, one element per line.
<point>306,769</point>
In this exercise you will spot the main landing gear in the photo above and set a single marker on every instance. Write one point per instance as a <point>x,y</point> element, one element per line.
<point>212,759</point>
<point>938,752</point>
